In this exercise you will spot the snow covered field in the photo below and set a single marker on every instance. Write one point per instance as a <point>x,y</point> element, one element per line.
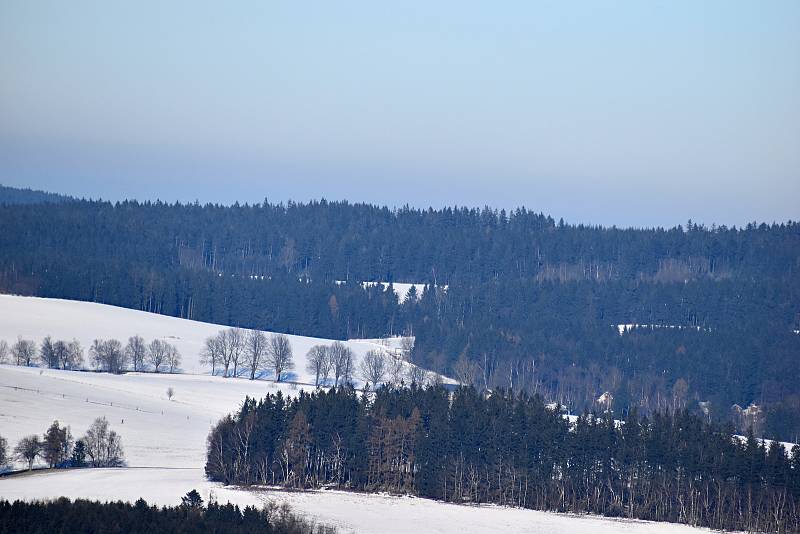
<point>155,431</point>
<point>34,318</point>
<point>164,440</point>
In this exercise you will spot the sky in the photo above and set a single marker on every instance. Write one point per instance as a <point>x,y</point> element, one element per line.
<point>624,113</point>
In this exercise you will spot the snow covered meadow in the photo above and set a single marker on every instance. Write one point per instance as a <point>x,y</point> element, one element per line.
<point>164,439</point>
<point>34,318</point>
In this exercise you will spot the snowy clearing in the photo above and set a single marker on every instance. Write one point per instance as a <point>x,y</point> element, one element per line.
<point>624,328</point>
<point>400,288</point>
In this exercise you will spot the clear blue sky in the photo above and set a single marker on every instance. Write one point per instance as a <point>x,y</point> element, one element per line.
<point>630,113</point>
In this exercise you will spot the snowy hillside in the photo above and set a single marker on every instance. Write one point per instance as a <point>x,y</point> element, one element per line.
<point>164,442</point>
<point>155,431</point>
<point>34,318</point>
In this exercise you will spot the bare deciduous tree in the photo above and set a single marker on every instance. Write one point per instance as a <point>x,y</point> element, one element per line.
<point>170,393</point>
<point>173,357</point>
<point>487,368</point>
<point>396,369</point>
<point>4,350</point>
<point>679,393</point>
<point>55,354</point>
<point>236,347</point>
<point>279,355</point>
<point>28,449</point>
<point>318,363</point>
<point>156,354</point>
<point>211,354</point>
<point>136,351</point>
<point>256,351</point>
<point>465,370</point>
<point>224,351</point>
<point>373,367</point>
<point>72,355</point>
<point>24,351</point>
<point>47,353</point>
<point>342,361</point>
<point>103,446</point>
<point>61,351</point>
<point>108,355</point>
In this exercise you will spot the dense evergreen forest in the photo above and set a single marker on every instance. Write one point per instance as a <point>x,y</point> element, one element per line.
<point>506,299</point>
<point>510,450</point>
<point>65,516</point>
<point>14,195</point>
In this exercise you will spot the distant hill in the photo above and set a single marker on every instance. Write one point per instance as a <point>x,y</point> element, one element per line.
<point>531,303</point>
<point>16,195</point>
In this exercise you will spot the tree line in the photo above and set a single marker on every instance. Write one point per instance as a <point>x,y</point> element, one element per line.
<point>16,195</point>
<point>99,447</point>
<point>107,355</point>
<point>233,352</point>
<point>64,515</point>
<point>510,449</point>
<point>530,300</point>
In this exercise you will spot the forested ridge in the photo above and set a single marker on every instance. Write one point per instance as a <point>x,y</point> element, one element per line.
<point>511,450</point>
<point>515,300</point>
<point>14,195</point>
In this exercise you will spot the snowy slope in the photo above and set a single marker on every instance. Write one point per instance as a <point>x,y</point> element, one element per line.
<point>34,318</point>
<point>134,403</point>
<point>155,431</point>
<point>350,512</point>
<point>164,441</point>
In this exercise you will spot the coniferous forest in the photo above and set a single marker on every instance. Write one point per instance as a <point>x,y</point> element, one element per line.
<point>516,300</point>
<point>510,450</point>
<point>63,515</point>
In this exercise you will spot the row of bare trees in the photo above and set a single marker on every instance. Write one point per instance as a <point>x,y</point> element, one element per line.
<point>334,361</point>
<point>377,367</point>
<point>232,351</point>
<point>22,352</point>
<point>106,354</point>
<point>109,355</point>
<point>235,350</point>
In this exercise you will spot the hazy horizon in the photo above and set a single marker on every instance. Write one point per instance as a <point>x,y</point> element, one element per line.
<point>632,114</point>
